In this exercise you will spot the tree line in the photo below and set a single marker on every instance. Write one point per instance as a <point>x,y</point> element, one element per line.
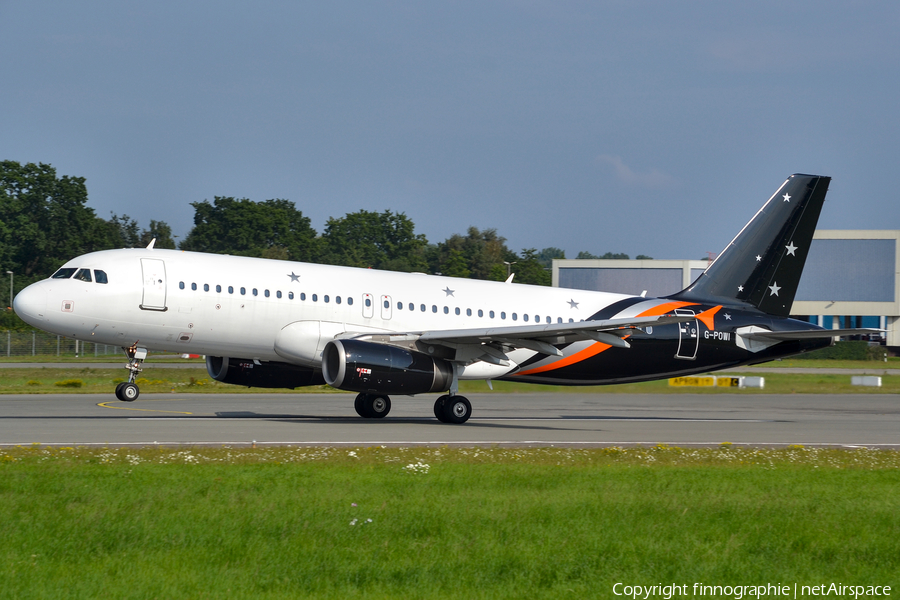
<point>45,221</point>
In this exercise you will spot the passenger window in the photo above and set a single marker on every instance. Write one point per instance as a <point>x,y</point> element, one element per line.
<point>266,293</point>
<point>503,315</point>
<point>422,307</point>
<point>559,320</point>
<point>537,318</point>
<point>326,298</point>
<point>315,297</point>
<point>549,320</point>
<point>290,295</point>
<point>63,274</point>
<point>218,289</point>
<point>180,285</point>
<point>468,312</point>
<point>194,287</point>
<point>491,314</point>
<point>205,287</point>
<point>387,304</point>
<point>243,291</point>
<point>456,310</point>
<point>100,276</point>
<point>350,301</point>
<point>278,294</point>
<point>337,299</point>
<point>524,317</point>
<point>368,302</point>
<point>412,306</point>
<point>480,313</point>
<point>446,310</point>
<point>303,295</point>
<point>83,275</point>
<point>230,289</point>
<point>255,292</point>
<point>399,306</point>
<point>515,316</point>
<point>434,308</point>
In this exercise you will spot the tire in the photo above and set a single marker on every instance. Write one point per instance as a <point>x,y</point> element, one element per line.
<point>360,405</point>
<point>457,410</point>
<point>119,391</point>
<point>439,408</point>
<point>378,406</point>
<point>129,392</point>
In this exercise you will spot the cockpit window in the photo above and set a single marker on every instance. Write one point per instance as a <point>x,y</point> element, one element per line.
<point>100,276</point>
<point>83,275</point>
<point>63,273</point>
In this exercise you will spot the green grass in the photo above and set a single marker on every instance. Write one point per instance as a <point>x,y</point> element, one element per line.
<point>445,523</point>
<point>48,380</point>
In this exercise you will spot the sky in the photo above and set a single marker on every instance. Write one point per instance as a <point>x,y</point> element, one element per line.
<point>653,128</point>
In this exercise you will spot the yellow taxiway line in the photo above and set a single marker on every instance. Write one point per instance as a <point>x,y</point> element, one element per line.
<point>179,412</point>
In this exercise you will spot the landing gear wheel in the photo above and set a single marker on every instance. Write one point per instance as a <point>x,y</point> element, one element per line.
<point>439,408</point>
<point>119,391</point>
<point>457,410</point>
<point>378,406</point>
<point>359,404</point>
<point>129,392</point>
<point>452,409</point>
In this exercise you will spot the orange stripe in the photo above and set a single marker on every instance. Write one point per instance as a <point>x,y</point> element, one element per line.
<point>598,347</point>
<point>592,350</point>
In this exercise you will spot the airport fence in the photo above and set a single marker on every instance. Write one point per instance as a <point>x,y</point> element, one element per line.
<point>39,343</point>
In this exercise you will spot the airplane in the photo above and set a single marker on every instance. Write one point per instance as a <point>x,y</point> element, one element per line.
<point>278,324</point>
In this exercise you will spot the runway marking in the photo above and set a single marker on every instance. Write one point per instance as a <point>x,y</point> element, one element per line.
<point>482,419</point>
<point>179,412</point>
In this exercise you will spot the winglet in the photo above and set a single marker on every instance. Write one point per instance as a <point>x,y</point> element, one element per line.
<point>706,317</point>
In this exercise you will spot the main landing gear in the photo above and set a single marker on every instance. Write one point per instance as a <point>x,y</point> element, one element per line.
<point>447,408</point>
<point>128,391</point>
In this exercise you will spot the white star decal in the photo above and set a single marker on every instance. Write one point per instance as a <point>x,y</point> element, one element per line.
<point>294,277</point>
<point>573,304</point>
<point>740,288</point>
<point>727,317</point>
<point>758,258</point>
<point>790,248</point>
<point>774,287</point>
<point>787,198</point>
<point>448,291</point>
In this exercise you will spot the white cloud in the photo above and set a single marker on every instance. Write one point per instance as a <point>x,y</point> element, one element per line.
<point>654,178</point>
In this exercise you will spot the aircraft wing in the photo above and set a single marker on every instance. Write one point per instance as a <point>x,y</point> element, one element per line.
<point>490,344</point>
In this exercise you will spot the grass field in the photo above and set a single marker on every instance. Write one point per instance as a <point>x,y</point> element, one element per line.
<point>440,523</point>
<point>53,380</point>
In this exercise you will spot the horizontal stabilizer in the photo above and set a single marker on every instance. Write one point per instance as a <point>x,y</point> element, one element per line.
<point>807,334</point>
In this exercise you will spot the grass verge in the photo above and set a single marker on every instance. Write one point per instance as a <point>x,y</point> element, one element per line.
<point>440,523</point>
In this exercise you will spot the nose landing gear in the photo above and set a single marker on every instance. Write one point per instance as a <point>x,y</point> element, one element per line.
<point>128,391</point>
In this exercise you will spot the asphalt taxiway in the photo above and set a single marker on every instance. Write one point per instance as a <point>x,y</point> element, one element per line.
<point>581,419</point>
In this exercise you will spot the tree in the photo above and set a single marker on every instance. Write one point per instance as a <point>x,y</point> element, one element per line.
<point>529,269</point>
<point>483,253</point>
<point>546,256</point>
<point>246,228</point>
<point>45,220</point>
<point>160,231</point>
<point>123,232</point>
<point>375,240</point>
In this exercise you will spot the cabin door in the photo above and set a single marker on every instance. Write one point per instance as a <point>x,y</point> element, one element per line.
<point>688,335</point>
<point>154,271</point>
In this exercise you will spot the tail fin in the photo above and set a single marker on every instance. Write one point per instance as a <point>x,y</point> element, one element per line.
<point>761,266</point>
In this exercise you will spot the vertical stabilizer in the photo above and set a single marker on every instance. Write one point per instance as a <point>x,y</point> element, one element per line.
<point>762,265</point>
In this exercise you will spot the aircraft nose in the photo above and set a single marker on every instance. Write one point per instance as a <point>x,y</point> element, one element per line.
<point>31,305</point>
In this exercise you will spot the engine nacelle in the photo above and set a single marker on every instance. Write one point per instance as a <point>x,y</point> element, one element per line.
<point>360,366</point>
<point>242,371</point>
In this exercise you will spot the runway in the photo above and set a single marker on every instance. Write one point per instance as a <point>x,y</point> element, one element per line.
<point>578,419</point>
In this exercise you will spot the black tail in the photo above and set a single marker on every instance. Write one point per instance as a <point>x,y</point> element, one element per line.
<point>761,266</point>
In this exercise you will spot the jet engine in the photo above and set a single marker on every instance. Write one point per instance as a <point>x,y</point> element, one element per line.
<point>368,367</point>
<point>242,371</point>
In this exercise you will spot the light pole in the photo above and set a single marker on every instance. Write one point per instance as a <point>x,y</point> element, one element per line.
<point>509,267</point>
<point>10,289</point>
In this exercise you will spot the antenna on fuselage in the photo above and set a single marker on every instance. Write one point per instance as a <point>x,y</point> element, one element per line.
<point>151,244</point>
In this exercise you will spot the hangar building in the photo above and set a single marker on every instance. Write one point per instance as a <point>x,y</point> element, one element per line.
<point>851,279</point>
